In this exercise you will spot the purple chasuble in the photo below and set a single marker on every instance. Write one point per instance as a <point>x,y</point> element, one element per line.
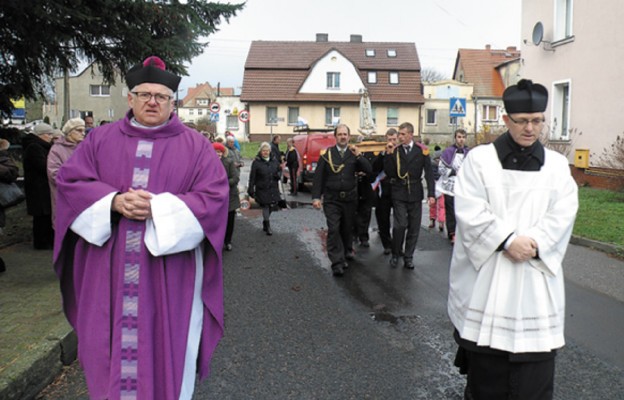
<point>130,309</point>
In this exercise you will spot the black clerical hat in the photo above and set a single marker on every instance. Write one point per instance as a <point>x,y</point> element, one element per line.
<point>152,71</point>
<point>525,97</point>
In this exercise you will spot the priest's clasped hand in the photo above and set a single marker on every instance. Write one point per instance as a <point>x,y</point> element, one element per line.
<point>134,204</point>
<point>523,248</point>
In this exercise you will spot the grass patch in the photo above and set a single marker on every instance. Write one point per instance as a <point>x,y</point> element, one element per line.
<point>249,150</point>
<point>600,215</point>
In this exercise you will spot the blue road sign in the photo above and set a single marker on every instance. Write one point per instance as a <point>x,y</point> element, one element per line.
<point>214,117</point>
<point>457,107</point>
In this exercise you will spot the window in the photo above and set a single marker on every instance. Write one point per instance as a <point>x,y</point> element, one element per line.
<point>563,19</point>
<point>99,90</point>
<point>489,112</point>
<point>370,52</point>
<point>271,116</point>
<point>333,80</point>
<point>431,116</point>
<point>232,122</point>
<point>561,111</point>
<point>202,102</point>
<point>393,78</point>
<point>293,115</point>
<point>200,111</point>
<point>191,111</point>
<point>332,116</point>
<point>372,77</point>
<point>391,53</point>
<point>392,116</point>
<point>453,121</point>
<point>374,114</point>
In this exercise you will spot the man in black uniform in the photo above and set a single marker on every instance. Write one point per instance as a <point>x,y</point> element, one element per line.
<point>404,166</point>
<point>384,193</point>
<point>335,180</point>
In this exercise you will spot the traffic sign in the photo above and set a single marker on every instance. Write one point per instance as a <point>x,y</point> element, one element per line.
<point>457,107</point>
<point>215,107</point>
<point>243,116</point>
<point>214,117</point>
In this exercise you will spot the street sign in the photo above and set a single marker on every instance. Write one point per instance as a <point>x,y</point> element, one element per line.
<point>214,117</point>
<point>243,116</point>
<point>215,107</point>
<point>457,107</point>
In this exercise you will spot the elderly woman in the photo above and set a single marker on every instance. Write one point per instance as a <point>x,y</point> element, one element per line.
<point>63,147</point>
<point>233,175</point>
<point>263,183</point>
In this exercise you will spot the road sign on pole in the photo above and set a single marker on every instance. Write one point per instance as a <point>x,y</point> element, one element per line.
<point>457,107</point>
<point>243,116</point>
<point>215,107</point>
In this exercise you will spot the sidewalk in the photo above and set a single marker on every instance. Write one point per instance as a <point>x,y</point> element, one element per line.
<point>35,338</point>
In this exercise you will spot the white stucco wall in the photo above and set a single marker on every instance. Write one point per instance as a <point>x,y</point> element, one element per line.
<point>316,82</point>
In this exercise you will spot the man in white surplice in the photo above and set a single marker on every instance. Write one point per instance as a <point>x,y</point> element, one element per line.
<point>515,203</point>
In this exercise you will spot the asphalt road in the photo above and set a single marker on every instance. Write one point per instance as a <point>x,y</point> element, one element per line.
<point>293,331</point>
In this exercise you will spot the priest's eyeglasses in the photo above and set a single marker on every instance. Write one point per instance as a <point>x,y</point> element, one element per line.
<point>147,96</point>
<point>523,122</point>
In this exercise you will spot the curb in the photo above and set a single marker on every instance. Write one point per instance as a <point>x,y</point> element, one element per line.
<point>608,248</point>
<point>40,366</point>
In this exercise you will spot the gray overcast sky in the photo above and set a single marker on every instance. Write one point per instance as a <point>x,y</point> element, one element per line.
<point>438,27</point>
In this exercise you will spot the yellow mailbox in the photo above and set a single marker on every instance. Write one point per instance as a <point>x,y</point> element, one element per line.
<point>581,158</point>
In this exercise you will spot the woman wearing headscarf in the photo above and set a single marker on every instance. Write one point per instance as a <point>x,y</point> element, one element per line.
<point>263,183</point>
<point>233,175</point>
<point>63,147</point>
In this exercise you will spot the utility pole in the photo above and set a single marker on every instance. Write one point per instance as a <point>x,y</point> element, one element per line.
<point>67,111</point>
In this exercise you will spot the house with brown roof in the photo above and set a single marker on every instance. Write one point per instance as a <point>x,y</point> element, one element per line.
<point>196,107</point>
<point>489,71</point>
<point>321,83</point>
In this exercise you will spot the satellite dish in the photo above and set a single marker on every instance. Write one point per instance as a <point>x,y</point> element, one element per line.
<point>538,33</point>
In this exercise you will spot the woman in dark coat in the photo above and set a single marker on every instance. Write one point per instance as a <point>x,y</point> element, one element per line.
<point>263,183</point>
<point>8,174</point>
<point>38,204</point>
<point>233,175</point>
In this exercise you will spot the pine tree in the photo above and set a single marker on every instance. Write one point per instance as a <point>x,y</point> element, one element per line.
<point>41,38</point>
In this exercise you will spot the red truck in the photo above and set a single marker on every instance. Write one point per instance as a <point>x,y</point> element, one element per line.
<point>309,143</point>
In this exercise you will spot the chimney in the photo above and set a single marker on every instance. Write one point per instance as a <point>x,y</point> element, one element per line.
<point>511,49</point>
<point>356,38</point>
<point>488,47</point>
<point>322,37</point>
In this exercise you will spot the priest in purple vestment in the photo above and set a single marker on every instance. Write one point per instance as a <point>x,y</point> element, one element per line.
<point>142,205</point>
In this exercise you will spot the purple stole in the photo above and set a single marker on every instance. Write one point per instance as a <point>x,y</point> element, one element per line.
<point>132,258</point>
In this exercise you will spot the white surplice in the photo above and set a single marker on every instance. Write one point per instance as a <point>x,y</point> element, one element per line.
<point>515,307</point>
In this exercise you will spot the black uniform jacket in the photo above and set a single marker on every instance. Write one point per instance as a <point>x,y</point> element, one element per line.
<point>406,184</point>
<point>336,180</point>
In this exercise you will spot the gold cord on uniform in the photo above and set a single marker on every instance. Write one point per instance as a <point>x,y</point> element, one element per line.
<point>405,176</point>
<point>335,170</point>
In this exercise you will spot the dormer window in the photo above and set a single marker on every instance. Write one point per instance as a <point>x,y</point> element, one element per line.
<point>391,53</point>
<point>370,52</point>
